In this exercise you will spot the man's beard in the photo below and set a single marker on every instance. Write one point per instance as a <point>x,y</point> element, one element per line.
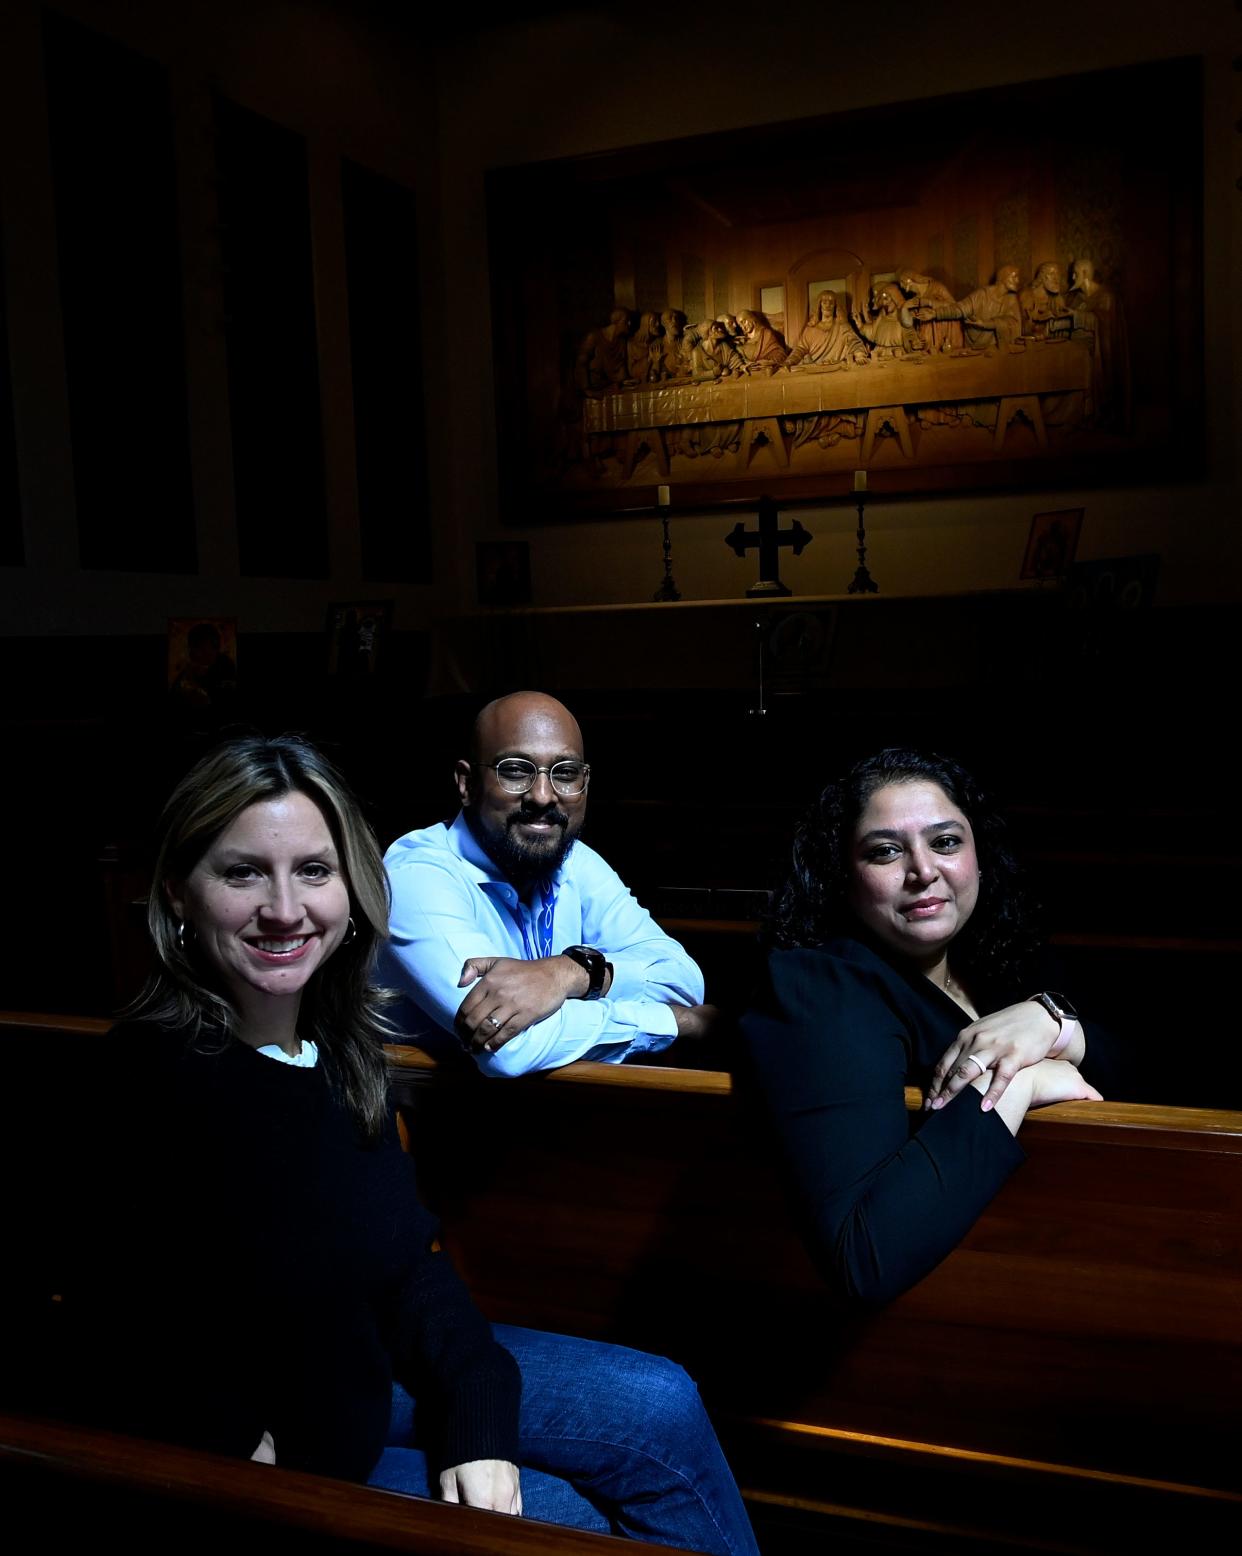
<point>526,860</point>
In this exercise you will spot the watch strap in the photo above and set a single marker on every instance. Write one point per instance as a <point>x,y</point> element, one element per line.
<point>1063,1013</point>
<point>595,964</point>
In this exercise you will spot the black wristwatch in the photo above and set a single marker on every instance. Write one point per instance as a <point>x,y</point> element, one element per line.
<point>596,965</point>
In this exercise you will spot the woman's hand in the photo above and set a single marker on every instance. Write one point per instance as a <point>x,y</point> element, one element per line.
<point>1036,1086</point>
<point>1057,1080</point>
<point>1005,1042</point>
<point>488,1483</point>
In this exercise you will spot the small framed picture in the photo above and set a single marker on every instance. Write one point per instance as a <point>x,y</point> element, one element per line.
<point>357,635</point>
<point>1052,543</point>
<point>502,572</point>
<point>202,661</point>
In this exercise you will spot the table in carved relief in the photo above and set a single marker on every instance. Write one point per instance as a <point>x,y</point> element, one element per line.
<point>884,391</point>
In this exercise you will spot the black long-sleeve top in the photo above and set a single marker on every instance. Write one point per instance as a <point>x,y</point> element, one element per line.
<point>244,1260</point>
<point>834,1037</point>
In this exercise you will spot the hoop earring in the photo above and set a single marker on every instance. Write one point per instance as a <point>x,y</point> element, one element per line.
<point>184,939</point>
<point>351,934</point>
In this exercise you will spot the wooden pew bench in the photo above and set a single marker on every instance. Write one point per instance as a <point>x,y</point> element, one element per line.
<point>65,1486</point>
<point>1070,1373</point>
<point>1074,1367</point>
<point>68,1485</point>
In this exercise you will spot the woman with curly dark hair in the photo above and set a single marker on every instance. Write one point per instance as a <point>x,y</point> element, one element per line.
<point>901,952</point>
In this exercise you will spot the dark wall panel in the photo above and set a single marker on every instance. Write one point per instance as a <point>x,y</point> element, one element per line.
<point>273,363</point>
<point>12,548</point>
<point>381,252</point>
<point>114,170</point>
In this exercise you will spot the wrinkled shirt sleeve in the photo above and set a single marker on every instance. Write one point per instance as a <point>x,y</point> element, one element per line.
<point>440,918</point>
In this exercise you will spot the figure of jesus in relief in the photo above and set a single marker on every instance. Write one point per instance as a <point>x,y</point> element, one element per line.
<point>827,341</point>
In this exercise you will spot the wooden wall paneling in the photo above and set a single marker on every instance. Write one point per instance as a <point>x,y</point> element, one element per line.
<point>12,543</point>
<point>273,354</point>
<point>114,171</point>
<point>385,346</point>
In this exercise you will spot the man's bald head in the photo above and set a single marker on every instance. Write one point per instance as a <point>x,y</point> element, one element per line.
<point>506,725</point>
<point>527,835</point>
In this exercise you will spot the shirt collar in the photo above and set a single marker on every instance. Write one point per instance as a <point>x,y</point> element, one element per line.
<point>488,874</point>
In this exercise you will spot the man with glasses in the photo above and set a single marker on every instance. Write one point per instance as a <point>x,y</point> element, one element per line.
<point>513,937</point>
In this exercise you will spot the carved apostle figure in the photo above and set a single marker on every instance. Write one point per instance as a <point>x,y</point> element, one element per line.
<point>643,344</point>
<point>1043,306</point>
<point>992,315</point>
<point>883,328</point>
<point>733,329</point>
<point>763,347</point>
<point>827,340</point>
<point>603,362</point>
<point>936,334</point>
<point>667,360</point>
<point>1096,312</point>
<point>708,351</point>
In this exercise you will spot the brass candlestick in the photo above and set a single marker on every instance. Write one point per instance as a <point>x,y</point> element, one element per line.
<point>863,583</point>
<point>668,589</point>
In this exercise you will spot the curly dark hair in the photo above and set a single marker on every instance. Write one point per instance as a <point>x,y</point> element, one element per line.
<point>811,907</point>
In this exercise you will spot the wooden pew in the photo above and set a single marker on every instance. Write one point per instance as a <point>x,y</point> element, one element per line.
<point>1075,1366</point>
<point>1071,1371</point>
<point>62,1485</point>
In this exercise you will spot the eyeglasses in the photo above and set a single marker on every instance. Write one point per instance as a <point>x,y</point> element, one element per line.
<point>516,775</point>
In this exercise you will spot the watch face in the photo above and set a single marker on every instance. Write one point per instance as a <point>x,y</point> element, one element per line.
<point>594,961</point>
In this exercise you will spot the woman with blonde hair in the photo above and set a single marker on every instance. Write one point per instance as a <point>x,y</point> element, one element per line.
<point>254,1271</point>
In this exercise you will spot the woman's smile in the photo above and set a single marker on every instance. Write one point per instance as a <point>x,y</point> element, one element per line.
<point>913,870</point>
<point>267,901</point>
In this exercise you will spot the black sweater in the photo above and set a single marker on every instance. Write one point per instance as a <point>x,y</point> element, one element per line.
<point>835,1037</point>
<point>244,1261</point>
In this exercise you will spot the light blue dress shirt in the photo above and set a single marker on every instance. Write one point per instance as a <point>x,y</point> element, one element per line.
<point>450,902</point>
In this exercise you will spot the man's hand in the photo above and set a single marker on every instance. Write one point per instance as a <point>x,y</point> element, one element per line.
<point>695,1022</point>
<point>488,1483</point>
<point>510,995</point>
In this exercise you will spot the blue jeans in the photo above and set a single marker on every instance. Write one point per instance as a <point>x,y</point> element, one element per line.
<point>612,1440</point>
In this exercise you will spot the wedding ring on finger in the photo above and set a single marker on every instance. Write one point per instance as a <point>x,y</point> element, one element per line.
<point>492,1022</point>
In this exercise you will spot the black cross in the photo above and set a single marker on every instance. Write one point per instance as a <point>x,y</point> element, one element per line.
<point>769,538</point>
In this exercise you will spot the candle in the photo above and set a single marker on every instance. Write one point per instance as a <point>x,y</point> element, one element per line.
<point>662,496</point>
<point>860,480</point>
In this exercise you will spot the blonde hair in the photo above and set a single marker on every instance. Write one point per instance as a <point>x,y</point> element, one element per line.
<point>341,1006</point>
